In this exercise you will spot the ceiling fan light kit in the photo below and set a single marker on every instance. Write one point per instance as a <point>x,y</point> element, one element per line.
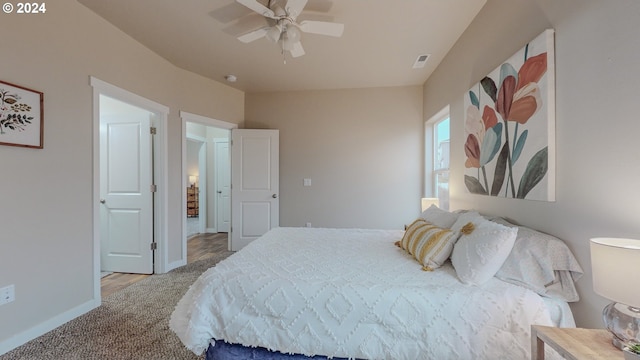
<point>286,31</point>
<point>289,36</point>
<point>273,33</point>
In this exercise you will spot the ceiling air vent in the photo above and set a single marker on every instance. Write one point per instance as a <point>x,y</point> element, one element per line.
<point>420,61</point>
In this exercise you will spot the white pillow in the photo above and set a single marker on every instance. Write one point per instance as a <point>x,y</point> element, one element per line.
<point>482,248</point>
<point>542,263</point>
<point>439,217</point>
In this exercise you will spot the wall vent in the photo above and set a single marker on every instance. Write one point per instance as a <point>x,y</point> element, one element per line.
<point>420,61</point>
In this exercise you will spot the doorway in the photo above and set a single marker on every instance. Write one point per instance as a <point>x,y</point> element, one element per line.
<point>203,143</point>
<point>196,155</point>
<point>125,122</point>
<point>126,178</point>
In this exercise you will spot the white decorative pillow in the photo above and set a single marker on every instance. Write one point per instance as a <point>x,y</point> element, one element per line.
<point>542,263</point>
<point>429,244</point>
<point>439,217</point>
<point>482,248</point>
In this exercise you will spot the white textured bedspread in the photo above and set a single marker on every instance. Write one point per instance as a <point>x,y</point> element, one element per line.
<point>353,293</point>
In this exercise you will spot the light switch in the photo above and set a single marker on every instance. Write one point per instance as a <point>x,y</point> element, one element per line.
<point>307,182</point>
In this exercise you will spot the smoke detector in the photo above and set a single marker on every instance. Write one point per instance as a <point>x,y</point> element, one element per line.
<point>231,78</point>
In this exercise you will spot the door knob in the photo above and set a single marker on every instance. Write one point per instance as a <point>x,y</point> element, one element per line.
<point>274,196</point>
<point>102,201</point>
<point>219,191</point>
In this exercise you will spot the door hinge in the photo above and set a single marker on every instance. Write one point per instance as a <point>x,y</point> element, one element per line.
<point>154,246</point>
<point>154,188</point>
<point>153,130</point>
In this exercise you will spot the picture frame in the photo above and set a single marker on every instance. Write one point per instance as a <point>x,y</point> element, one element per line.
<point>21,116</point>
<point>510,126</point>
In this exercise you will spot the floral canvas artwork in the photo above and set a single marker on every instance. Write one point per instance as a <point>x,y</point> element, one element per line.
<point>510,126</point>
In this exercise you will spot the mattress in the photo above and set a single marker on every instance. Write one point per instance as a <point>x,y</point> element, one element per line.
<point>351,293</point>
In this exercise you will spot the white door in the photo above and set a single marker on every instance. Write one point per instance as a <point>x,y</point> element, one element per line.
<point>126,209</point>
<point>223,184</point>
<point>202,188</point>
<point>255,184</point>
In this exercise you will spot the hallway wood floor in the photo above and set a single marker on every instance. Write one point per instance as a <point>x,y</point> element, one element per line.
<point>199,247</point>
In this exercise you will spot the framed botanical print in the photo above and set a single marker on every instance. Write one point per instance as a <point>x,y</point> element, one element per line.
<point>21,116</point>
<point>510,126</point>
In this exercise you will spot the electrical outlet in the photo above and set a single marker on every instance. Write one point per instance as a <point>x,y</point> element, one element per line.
<point>308,224</point>
<point>7,294</point>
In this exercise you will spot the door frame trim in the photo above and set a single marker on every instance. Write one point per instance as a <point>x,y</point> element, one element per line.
<point>206,121</point>
<point>160,220</point>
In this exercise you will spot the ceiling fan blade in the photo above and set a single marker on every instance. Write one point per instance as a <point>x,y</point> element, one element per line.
<point>253,35</point>
<point>257,7</point>
<point>297,50</point>
<point>322,28</point>
<point>322,6</point>
<point>230,12</point>
<point>294,7</point>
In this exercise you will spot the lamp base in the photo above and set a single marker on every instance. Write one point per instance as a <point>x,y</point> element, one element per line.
<point>623,322</point>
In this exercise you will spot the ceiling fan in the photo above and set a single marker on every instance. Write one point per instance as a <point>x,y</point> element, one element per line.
<point>283,28</point>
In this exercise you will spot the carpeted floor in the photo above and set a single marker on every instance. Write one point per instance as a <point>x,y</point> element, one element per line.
<point>130,324</point>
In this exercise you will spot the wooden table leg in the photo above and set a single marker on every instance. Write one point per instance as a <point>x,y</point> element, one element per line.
<point>537,346</point>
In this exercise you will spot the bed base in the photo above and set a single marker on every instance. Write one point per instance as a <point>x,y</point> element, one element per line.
<point>225,351</point>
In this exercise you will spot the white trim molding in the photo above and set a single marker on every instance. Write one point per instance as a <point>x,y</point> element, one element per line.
<point>44,327</point>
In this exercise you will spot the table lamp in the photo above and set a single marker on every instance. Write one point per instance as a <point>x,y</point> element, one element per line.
<point>426,202</point>
<point>615,265</point>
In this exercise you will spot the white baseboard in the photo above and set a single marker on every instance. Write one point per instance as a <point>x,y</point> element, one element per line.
<point>175,264</point>
<point>44,327</point>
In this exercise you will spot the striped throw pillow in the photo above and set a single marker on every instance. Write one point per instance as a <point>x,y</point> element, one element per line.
<point>429,244</point>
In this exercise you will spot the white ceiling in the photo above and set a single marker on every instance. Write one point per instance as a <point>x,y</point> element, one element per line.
<point>381,40</point>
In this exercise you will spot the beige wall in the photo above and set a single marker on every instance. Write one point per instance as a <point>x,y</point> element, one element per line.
<point>362,149</point>
<point>46,245</point>
<point>598,166</point>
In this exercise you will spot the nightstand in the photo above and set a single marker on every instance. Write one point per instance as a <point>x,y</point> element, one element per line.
<point>573,343</point>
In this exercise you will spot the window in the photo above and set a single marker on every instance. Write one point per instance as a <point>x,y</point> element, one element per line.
<point>437,140</point>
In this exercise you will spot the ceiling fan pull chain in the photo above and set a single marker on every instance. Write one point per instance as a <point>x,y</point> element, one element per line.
<point>284,54</point>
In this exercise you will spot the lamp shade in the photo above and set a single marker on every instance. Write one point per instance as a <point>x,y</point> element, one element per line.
<point>615,264</point>
<point>426,202</point>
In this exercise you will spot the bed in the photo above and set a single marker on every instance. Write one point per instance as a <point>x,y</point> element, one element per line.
<point>299,293</point>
